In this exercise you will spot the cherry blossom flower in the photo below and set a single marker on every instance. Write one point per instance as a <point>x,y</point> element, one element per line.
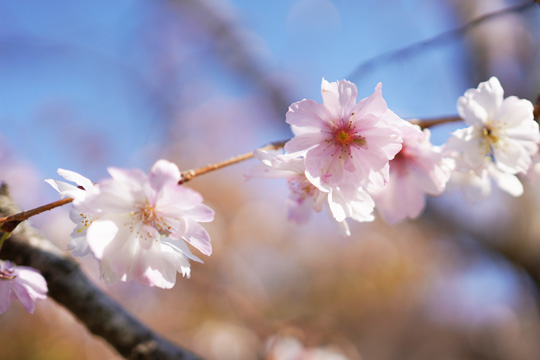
<point>500,140</point>
<point>344,141</point>
<point>138,224</point>
<point>79,214</point>
<point>347,202</point>
<point>418,169</point>
<point>23,283</point>
<point>143,223</point>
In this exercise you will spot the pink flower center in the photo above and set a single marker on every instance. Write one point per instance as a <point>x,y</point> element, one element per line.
<point>343,135</point>
<point>399,164</point>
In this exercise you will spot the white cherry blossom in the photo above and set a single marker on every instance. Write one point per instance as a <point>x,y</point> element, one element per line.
<point>139,223</point>
<point>144,223</point>
<point>79,214</point>
<point>499,142</point>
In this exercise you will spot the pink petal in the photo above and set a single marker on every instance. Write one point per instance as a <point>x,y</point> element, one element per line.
<point>373,104</point>
<point>24,297</point>
<point>163,172</point>
<point>308,113</point>
<point>129,176</point>
<point>197,236</point>
<point>304,142</point>
<point>339,98</point>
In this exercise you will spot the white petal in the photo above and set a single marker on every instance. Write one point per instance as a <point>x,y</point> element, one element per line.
<point>507,182</point>
<point>514,111</point>
<point>308,114</point>
<point>100,234</point>
<point>66,190</point>
<point>198,237</point>
<point>304,142</point>
<point>76,178</point>
<point>339,98</point>
<point>163,172</point>
<point>511,157</point>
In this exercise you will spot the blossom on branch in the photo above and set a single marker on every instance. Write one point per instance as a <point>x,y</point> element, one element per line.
<point>499,142</point>
<point>79,214</point>
<point>22,283</point>
<point>418,169</point>
<point>141,225</point>
<point>344,141</point>
<point>343,203</point>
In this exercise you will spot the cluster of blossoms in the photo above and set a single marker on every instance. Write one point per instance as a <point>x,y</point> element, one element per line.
<point>358,156</point>
<point>348,156</point>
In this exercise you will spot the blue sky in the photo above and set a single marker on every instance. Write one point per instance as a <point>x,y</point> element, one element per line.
<point>71,71</point>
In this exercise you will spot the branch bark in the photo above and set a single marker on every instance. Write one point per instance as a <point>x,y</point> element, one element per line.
<point>68,286</point>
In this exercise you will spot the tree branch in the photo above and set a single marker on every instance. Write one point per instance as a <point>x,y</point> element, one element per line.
<point>370,64</point>
<point>68,286</point>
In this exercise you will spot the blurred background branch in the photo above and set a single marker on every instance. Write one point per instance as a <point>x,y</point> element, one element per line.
<point>416,48</point>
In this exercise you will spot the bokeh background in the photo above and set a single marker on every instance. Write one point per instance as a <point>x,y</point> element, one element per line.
<point>90,84</point>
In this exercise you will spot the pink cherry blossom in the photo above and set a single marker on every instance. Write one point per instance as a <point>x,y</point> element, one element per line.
<point>344,141</point>
<point>22,283</point>
<point>499,142</point>
<point>418,169</point>
<point>346,202</point>
<point>143,224</point>
<point>137,224</point>
<point>79,214</point>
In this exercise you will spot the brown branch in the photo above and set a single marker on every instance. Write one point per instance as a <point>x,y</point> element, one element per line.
<point>68,286</point>
<point>368,66</point>
<point>427,123</point>
<point>190,174</point>
<point>9,223</point>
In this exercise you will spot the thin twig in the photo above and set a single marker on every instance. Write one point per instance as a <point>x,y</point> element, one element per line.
<point>190,174</point>
<point>367,66</point>
<point>424,124</point>
<point>9,223</point>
